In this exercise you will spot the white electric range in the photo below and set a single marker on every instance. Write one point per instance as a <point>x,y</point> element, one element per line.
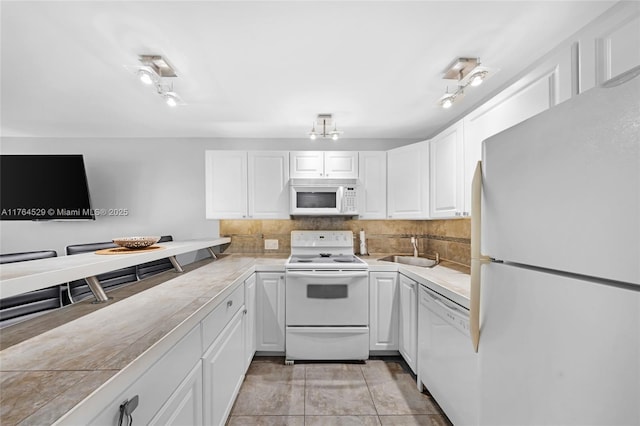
<point>327,298</point>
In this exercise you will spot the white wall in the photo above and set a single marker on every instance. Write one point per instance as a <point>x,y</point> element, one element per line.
<point>159,181</point>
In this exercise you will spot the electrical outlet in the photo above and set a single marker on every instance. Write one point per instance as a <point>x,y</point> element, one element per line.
<point>271,244</point>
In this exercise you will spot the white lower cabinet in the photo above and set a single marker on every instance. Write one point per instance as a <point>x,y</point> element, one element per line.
<point>155,388</point>
<point>250,320</point>
<point>270,302</point>
<point>184,407</point>
<point>383,311</point>
<point>408,342</point>
<point>223,371</point>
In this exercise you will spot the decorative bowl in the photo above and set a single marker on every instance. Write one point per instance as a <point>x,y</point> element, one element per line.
<point>136,242</point>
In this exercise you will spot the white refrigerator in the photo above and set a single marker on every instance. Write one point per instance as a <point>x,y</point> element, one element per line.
<point>555,309</point>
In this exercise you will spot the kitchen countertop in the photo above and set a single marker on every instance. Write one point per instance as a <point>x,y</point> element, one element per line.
<point>44,376</point>
<point>445,278</point>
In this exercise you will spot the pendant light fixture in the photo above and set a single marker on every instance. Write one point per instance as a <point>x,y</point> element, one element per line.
<point>324,121</point>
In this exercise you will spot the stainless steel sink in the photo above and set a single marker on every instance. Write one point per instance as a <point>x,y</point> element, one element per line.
<point>411,260</point>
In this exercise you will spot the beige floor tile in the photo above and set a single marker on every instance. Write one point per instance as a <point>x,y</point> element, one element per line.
<point>394,392</point>
<point>341,421</point>
<point>265,421</point>
<point>336,389</point>
<point>415,420</point>
<point>271,388</point>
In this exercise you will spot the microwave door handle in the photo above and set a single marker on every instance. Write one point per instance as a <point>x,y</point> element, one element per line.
<point>339,199</point>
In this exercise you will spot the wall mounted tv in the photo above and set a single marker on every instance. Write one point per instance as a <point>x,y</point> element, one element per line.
<point>44,187</point>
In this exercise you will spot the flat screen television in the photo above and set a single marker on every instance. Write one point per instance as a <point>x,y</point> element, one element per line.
<point>44,187</point>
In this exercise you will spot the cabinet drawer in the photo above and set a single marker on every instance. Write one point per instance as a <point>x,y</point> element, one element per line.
<point>213,324</point>
<point>156,385</point>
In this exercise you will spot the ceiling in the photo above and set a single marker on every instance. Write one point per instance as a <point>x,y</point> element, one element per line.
<point>262,69</point>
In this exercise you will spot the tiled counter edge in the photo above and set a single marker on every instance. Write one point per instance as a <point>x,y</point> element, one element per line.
<point>95,402</point>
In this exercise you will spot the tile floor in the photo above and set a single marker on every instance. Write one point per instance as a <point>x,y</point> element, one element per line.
<point>377,392</point>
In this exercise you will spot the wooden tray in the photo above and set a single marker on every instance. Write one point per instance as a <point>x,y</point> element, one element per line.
<point>124,250</point>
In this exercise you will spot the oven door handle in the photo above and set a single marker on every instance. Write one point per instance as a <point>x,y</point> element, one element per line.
<point>328,274</point>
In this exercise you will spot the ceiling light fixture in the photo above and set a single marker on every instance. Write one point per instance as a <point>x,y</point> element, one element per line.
<point>468,72</point>
<point>325,120</point>
<point>156,70</point>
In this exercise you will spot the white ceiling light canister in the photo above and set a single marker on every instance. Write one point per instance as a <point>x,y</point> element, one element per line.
<point>467,72</point>
<point>324,121</point>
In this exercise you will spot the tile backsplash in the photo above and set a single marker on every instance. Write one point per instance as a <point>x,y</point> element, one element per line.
<point>450,238</point>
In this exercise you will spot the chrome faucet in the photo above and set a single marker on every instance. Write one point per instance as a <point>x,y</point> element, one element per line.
<point>414,243</point>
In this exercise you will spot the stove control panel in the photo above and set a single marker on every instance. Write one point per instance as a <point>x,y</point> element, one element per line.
<point>321,239</point>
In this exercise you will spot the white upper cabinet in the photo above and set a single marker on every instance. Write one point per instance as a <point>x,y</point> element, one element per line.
<point>306,164</point>
<point>268,185</point>
<point>611,46</point>
<point>226,184</point>
<point>373,185</point>
<point>408,180</point>
<point>534,93</point>
<point>242,185</point>
<point>446,173</point>
<point>324,164</point>
<point>341,164</point>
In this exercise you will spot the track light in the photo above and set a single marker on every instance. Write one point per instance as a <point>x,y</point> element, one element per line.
<point>145,77</point>
<point>170,100</point>
<point>468,73</point>
<point>312,134</point>
<point>447,100</point>
<point>156,70</point>
<point>477,78</point>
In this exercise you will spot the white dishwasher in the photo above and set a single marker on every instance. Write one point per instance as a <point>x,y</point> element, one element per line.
<point>447,363</point>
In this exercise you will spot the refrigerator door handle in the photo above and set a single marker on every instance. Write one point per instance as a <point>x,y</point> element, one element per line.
<point>477,259</point>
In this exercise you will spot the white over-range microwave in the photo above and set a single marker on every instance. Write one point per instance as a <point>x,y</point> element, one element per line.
<point>324,197</point>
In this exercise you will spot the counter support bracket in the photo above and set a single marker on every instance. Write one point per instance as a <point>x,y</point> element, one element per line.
<point>212,253</point>
<point>96,289</point>
<point>175,264</point>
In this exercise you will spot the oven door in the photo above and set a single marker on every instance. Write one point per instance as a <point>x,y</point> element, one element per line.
<point>327,298</point>
<point>316,200</point>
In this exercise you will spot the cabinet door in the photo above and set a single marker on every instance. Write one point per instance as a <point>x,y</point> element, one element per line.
<point>270,312</point>
<point>408,175</point>
<point>373,184</point>
<point>446,173</point>
<point>409,321</point>
<point>306,164</point>
<point>184,407</point>
<point>341,164</point>
<point>223,371</point>
<point>250,320</point>
<point>226,184</point>
<point>268,184</point>
<point>533,94</point>
<point>383,311</point>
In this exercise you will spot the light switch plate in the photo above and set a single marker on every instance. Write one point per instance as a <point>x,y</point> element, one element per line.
<point>271,244</point>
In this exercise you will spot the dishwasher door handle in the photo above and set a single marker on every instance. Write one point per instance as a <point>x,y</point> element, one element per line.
<point>450,309</point>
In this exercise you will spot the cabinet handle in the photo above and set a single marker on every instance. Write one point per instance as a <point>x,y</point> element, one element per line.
<point>243,216</point>
<point>245,312</point>
<point>229,303</point>
<point>457,213</point>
